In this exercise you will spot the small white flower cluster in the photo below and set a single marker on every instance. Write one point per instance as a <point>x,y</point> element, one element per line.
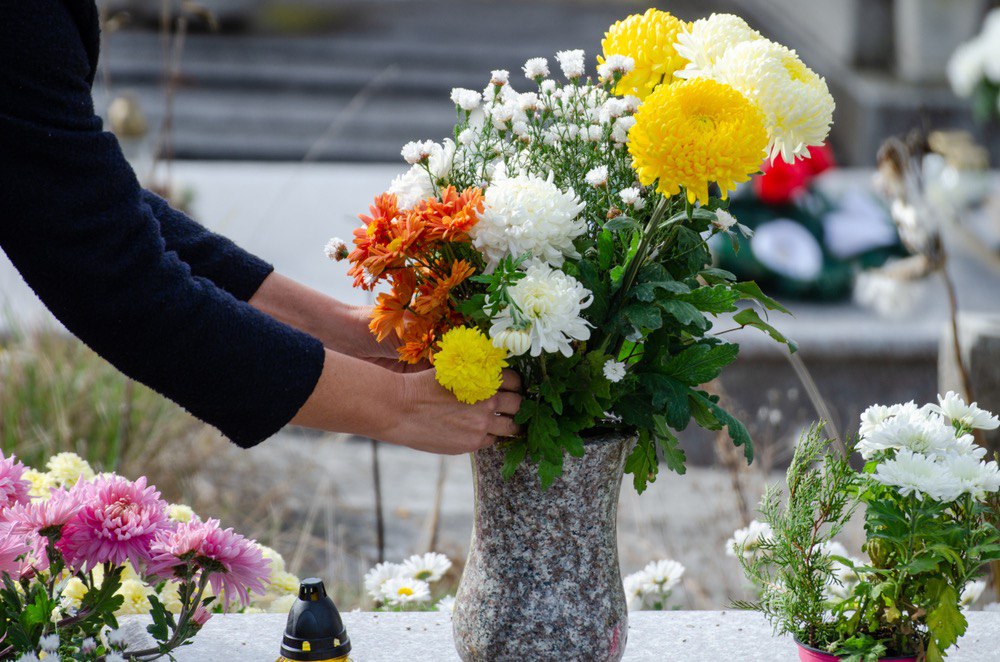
<point>408,584</point>
<point>928,451</point>
<point>431,165</point>
<point>747,541</point>
<point>651,587</point>
<point>978,60</point>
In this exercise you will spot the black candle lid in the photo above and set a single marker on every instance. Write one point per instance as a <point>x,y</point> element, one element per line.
<point>314,630</point>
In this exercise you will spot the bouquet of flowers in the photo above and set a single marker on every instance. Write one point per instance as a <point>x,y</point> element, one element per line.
<point>562,231</point>
<point>78,550</point>
<point>931,507</point>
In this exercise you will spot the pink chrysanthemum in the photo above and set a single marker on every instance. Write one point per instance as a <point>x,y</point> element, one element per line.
<point>37,520</point>
<point>117,521</point>
<point>235,565</point>
<point>12,545</point>
<point>13,488</point>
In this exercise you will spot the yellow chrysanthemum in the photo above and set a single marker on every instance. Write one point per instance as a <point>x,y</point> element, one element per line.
<point>469,365</point>
<point>136,596</point>
<point>649,40</point>
<point>178,512</point>
<point>170,596</point>
<point>276,559</point>
<point>67,468</point>
<point>41,483</point>
<point>695,132</point>
<point>73,592</point>
<point>283,583</point>
<point>282,605</point>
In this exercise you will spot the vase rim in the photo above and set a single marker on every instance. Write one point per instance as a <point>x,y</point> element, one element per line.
<point>894,658</point>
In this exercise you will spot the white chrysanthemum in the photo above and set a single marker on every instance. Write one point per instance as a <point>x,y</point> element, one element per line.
<point>528,214</point>
<point>68,468</point>
<point>611,110</point>
<point>379,575</point>
<point>499,77</point>
<point>428,567</point>
<point>662,576</point>
<point>550,302</point>
<point>797,105</point>
<point>615,64</point>
<point>918,474</point>
<point>571,63</point>
<point>876,416</point>
<point>748,540</point>
<point>633,585</point>
<point>953,407</point>
<point>535,68</point>
<point>621,127</point>
<point>31,657</point>
<point>49,643</point>
<point>914,431</point>
<point>515,341</point>
<point>614,371</point>
<point>724,220</point>
<point>400,591</point>
<point>416,151</point>
<point>466,137</point>
<point>707,39</point>
<point>630,195</point>
<point>974,477</point>
<point>466,99</point>
<point>415,184</point>
<point>446,604</point>
<point>528,101</point>
<point>966,67</point>
<point>282,604</point>
<point>972,592</point>
<point>136,595</point>
<point>597,177</point>
<point>178,512</point>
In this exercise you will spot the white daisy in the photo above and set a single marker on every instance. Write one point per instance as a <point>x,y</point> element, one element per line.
<point>662,576</point>
<point>630,195</point>
<point>634,584</point>
<point>428,567</point>
<point>379,575</point>
<point>748,540</point>
<point>401,591</point>
<point>446,604</point>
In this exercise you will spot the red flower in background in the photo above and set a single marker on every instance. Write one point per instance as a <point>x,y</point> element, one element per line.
<point>782,182</point>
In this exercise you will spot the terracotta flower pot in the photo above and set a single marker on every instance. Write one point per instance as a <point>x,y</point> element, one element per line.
<point>810,654</point>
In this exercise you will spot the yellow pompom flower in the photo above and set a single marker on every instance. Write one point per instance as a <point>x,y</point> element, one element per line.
<point>695,132</point>
<point>68,468</point>
<point>136,596</point>
<point>41,483</point>
<point>178,512</point>
<point>469,365</point>
<point>649,40</point>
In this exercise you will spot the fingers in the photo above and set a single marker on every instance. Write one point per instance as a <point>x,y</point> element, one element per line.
<point>503,426</point>
<point>507,403</point>
<point>511,381</point>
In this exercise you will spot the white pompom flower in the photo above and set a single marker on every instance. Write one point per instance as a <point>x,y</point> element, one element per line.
<point>402,591</point>
<point>615,64</point>
<point>528,214</point>
<point>429,567</point>
<point>466,99</point>
<point>795,101</point>
<point>550,303</point>
<point>621,127</point>
<point>536,68</point>
<point>416,184</point>
<point>614,371</point>
<point>571,63</point>
<point>499,77</point>
<point>707,39</point>
<point>417,151</point>
<point>597,177</point>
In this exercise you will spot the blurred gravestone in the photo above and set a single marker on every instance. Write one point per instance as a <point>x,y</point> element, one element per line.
<point>979,339</point>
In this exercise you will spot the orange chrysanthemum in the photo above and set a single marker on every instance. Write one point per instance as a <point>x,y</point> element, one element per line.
<point>375,232</point>
<point>389,313</point>
<point>451,217</point>
<point>434,295</point>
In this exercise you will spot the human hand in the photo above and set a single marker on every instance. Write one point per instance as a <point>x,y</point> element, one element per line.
<point>433,420</point>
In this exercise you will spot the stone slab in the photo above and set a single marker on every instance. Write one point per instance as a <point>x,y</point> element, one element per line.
<point>680,636</point>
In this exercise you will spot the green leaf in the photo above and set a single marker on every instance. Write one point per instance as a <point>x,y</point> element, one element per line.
<point>669,395</point>
<point>643,316</point>
<point>750,290</point>
<point>512,458</point>
<point>647,291</point>
<point>716,299</point>
<point>673,455</point>
<point>641,462</point>
<point>737,432</point>
<point>548,472</point>
<point>550,391</point>
<point>160,627</point>
<point>635,410</point>
<point>716,276</point>
<point>945,619</point>
<point>619,223</point>
<point>749,317</point>
<point>684,312</point>
<point>700,363</point>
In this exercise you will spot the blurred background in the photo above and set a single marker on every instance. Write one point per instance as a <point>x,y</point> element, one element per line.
<point>275,122</point>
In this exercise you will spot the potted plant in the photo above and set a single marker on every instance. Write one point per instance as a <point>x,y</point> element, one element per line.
<point>931,503</point>
<point>562,232</point>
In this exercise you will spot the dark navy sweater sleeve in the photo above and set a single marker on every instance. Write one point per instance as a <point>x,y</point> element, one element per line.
<point>209,255</point>
<point>83,234</point>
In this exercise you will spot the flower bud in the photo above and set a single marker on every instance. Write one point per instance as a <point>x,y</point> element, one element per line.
<point>515,341</point>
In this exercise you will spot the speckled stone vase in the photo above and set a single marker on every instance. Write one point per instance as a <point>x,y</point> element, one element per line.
<point>542,581</point>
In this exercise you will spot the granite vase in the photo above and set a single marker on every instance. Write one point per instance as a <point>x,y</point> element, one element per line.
<point>542,581</point>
